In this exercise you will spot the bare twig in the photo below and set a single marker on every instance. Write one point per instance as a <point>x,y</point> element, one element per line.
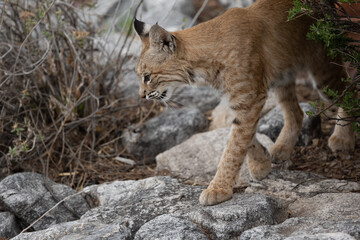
<point>48,211</point>
<point>198,13</point>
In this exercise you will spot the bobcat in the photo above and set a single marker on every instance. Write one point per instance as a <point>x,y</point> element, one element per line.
<point>242,53</point>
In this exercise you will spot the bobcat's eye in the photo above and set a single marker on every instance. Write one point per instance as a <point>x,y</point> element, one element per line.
<point>146,78</point>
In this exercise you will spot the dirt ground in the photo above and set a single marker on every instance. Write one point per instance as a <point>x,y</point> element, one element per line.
<point>317,158</point>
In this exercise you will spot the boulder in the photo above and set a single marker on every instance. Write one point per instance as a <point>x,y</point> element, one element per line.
<point>79,230</point>
<point>100,11</point>
<point>242,212</point>
<point>8,225</point>
<point>328,206</point>
<point>162,208</point>
<point>306,229</point>
<point>236,3</point>
<point>178,13</point>
<point>129,84</point>
<point>133,203</point>
<point>172,15</point>
<point>222,116</point>
<point>163,132</point>
<point>203,97</point>
<point>151,12</point>
<point>166,227</point>
<point>196,159</point>
<point>25,195</point>
<point>288,186</point>
<point>111,20</point>
<point>272,123</point>
<point>125,206</point>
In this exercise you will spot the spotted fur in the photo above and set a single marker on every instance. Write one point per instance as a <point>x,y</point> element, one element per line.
<point>242,53</point>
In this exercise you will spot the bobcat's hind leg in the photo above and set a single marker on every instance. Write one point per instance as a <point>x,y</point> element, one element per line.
<point>328,74</point>
<point>343,137</point>
<point>259,160</point>
<point>247,110</point>
<point>293,117</point>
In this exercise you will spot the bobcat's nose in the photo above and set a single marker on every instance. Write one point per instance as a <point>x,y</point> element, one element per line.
<point>142,93</point>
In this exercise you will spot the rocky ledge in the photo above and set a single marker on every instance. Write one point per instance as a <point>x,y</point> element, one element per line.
<point>283,206</point>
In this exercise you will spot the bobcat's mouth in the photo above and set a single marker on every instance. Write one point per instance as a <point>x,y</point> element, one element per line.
<point>163,95</point>
<point>157,95</point>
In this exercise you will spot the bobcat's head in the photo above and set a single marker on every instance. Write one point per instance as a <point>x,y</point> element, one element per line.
<point>160,69</point>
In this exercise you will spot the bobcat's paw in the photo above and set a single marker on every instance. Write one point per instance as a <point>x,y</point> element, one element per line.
<point>259,170</point>
<point>212,196</point>
<point>337,144</point>
<point>280,156</point>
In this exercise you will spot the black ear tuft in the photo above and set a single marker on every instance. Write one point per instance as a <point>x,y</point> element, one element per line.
<point>138,26</point>
<point>141,28</point>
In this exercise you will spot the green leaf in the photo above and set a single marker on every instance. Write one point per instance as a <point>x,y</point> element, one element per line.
<point>310,113</point>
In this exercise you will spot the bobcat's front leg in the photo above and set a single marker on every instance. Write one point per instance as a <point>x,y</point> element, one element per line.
<point>243,129</point>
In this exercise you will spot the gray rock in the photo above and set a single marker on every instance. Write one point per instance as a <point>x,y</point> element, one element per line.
<point>328,206</point>
<point>289,186</point>
<point>322,236</point>
<point>242,212</point>
<point>272,123</point>
<point>149,11</point>
<point>79,230</point>
<point>236,3</point>
<point>101,11</point>
<point>222,116</point>
<point>124,207</point>
<point>163,132</point>
<point>178,13</point>
<point>162,208</point>
<point>8,225</point>
<point>167,227</point>
<point>196,159</point>
<point>25,195</point>
<point>306,228</point>
<point>129,84</point>
<point>133,203</point>
<point>203,97</point>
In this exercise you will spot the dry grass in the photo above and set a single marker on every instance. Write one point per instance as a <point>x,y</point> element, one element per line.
<point>61,113</point>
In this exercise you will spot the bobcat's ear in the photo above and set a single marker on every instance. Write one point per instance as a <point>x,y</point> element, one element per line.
<point>142,29</point>
<point>162,39</point>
